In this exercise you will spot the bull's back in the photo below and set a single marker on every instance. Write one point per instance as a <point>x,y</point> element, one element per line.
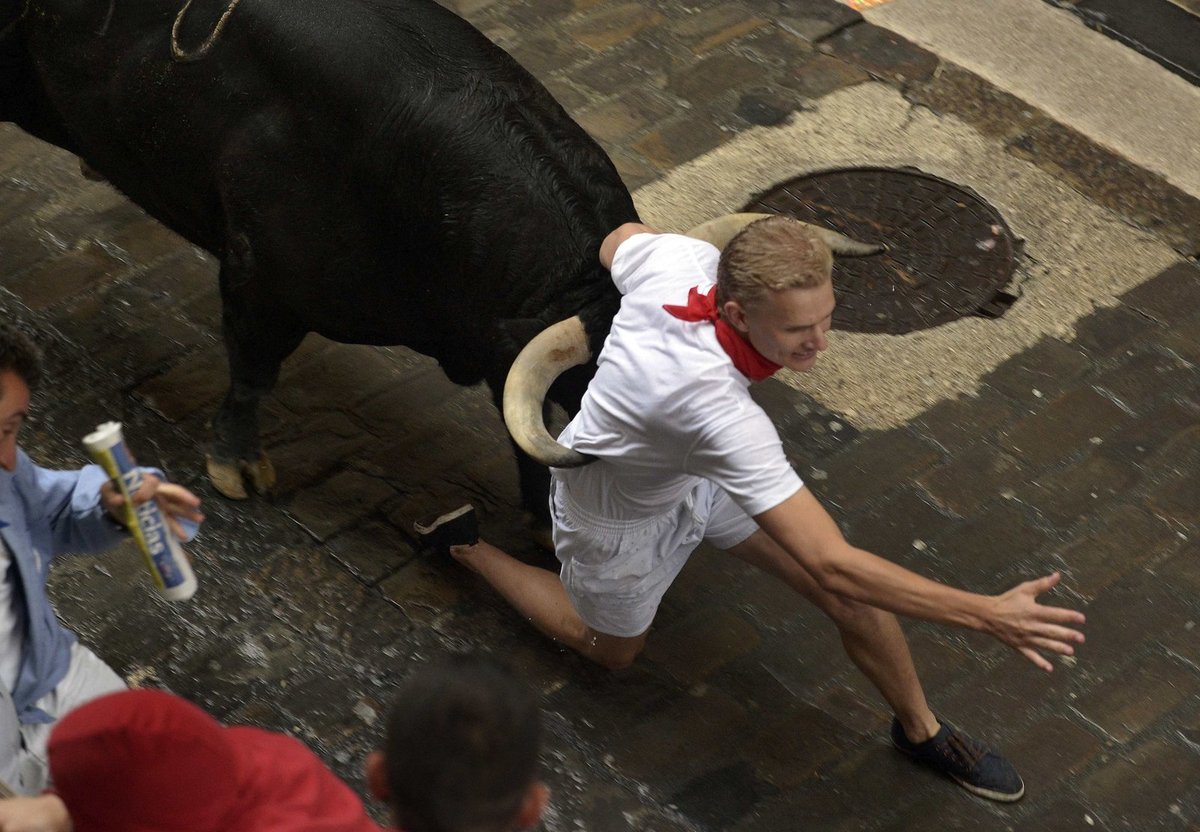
<point>414,162</point>
<point>468,169</point>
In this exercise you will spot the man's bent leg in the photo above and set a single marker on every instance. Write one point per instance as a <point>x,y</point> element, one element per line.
<point>872,637</point>
<point>538,594</point>
<point>876,644</point>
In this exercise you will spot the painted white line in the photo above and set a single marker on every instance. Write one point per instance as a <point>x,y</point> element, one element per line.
<point>1079,77</point>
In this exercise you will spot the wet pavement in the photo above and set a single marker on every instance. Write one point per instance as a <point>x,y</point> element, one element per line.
<point>1080,454</point>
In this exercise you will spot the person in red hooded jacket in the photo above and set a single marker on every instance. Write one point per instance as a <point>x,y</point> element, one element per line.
<point>149,761</point>
<point>461,755</point>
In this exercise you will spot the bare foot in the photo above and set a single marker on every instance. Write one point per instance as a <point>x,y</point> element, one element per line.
<point>471,553</point>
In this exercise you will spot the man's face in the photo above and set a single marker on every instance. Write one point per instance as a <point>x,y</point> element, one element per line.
<point>786,326</point>
<point>14,408</point>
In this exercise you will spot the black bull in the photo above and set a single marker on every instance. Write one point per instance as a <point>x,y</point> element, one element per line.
<point>375,171</point>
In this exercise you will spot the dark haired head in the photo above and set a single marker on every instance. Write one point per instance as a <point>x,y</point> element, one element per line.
<point>19,354</point>
<point>462,747</point>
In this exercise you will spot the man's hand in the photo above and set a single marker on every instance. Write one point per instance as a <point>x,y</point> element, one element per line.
<point>174,501</point>
<point>1029,627</point>
<point>46,813</point>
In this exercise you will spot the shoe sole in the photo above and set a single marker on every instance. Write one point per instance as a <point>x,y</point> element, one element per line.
<point>978,791</point>
<point>443,519</point>
<point>990,794</point>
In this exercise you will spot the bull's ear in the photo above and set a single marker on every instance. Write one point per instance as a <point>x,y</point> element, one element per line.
<point>513,334</point>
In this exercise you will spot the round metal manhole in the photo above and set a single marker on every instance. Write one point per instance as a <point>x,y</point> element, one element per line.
<point>949,253</point>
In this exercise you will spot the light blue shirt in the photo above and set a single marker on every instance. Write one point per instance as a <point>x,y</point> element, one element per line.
<point>44,514</point>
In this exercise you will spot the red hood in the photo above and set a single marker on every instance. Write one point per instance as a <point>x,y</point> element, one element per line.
<point>148,761</point>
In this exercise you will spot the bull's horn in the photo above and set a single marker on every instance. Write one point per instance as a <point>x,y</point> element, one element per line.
<point>721,230</point>
<point>553,351</point>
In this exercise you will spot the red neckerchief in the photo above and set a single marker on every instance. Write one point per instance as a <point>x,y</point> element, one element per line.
<point>748,360</point>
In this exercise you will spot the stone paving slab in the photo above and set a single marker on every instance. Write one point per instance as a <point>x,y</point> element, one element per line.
<point>1079,453</point>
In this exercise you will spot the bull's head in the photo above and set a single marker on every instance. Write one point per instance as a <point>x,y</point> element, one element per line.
<point>565,345</point>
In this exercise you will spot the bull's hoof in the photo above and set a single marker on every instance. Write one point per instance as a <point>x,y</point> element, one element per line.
<point>261,474</point>
<point>226,477</point>
<point>230,478</point>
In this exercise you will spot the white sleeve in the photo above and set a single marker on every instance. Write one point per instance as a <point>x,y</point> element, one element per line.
<point>744,455</point>
<point>645,256</point>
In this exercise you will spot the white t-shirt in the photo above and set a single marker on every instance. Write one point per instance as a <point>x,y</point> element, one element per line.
<point>11,630</point>
<point>667,405</point>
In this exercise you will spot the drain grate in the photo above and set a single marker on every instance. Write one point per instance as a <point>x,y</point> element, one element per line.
<point>950,254</point>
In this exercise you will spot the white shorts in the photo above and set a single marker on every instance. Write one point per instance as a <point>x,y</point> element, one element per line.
<point>616,572</point>
<point>23,764</point>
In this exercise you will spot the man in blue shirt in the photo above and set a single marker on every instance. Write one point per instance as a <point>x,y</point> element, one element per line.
<point>44,672</point>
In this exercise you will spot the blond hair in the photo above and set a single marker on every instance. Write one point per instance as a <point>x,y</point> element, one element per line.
<point>772,253</point>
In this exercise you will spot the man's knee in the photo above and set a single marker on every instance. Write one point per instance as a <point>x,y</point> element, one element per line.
<point>617,661</point>
<point>613,652</point>
<point>850,614</point>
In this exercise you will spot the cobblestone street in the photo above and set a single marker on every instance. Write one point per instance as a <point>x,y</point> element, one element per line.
<point>1080,453</point>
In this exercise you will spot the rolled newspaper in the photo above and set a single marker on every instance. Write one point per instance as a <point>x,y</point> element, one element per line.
<point>164,556</point>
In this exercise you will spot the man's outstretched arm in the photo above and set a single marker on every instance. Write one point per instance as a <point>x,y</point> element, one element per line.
<point>809,535</point>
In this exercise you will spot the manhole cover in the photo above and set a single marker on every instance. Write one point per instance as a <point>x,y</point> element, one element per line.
<point>950,254</point>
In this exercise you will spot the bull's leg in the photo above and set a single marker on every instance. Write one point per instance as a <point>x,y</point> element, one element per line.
<point>534,480</point>
<point>257,339</point>
<point>532,477</point>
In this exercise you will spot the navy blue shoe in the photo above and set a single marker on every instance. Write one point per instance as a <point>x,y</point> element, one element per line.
<point>969,763</point>
<point>453,528</point>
